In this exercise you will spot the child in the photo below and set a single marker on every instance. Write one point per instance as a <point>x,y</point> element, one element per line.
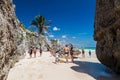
<point>56,57</point>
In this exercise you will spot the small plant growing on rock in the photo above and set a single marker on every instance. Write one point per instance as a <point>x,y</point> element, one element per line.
<point>22,38</point>
<point>22,26</point>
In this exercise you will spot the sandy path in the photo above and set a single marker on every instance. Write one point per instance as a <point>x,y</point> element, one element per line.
<point>43,68</point>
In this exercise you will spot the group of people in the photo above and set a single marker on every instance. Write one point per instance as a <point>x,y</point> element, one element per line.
<point>67,50</point>
<point>32,50</point>
<point>71,51</point>
<point>83,53</point>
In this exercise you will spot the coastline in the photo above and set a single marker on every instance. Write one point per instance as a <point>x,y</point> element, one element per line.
<point>93,51</point>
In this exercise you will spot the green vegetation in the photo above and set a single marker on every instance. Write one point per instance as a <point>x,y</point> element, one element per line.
<point>22,38</point>
<point>39,22</point>
<point>31,35</point>
<point>53,41</point>
<point>22,26</point>
<point>31,42</point>
<point>17,35</point>
<point>40,44</point>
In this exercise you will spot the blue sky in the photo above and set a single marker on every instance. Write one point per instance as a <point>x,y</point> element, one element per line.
<point>72,20</point>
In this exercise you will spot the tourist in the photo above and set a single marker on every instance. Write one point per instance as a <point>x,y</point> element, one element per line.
<point>51,51</point>
<point>40,51</point>
<point>66,50</point>
<point>56,57</point>
<point>89,53</point>
<point>71,53</point>
<point>34,51</point>
<point>30,51</point>
<point>83,53</point>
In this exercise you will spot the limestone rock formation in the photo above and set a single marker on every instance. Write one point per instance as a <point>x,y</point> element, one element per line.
<point>26,38</point>
<point>33,39</point>
<point>107,33</point>
<point>14,38</point>
<point>8,46</point>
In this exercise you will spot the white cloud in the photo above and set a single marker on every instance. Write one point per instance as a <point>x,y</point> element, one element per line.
<point>46,32</point>
<point>56,29</point>
<point>64,36</point>
<point>74,37</point>
<point>14,6</point>
<point>51,36</point>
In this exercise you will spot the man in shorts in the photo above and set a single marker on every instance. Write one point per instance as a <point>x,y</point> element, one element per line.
<point>66,50</point>
<point>30,51</point>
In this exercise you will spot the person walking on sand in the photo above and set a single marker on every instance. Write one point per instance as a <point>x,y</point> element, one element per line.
<point>89,53</point>
<point>34,51</point>
<point>51,51</point>
<point>71,53</point>
<point>66,50</point>
<point>40,51</point>
<point>30,51</point>
<point>56,57</point>
<point>83,53</point>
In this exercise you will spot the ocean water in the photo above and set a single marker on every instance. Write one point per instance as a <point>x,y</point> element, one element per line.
<point>92,49</point>
<point>88,48</point>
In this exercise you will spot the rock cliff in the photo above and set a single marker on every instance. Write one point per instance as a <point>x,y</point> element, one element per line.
<point>8,47</point>
<point>26,38</point>
<point>14,38</point>
<point>107,33</point>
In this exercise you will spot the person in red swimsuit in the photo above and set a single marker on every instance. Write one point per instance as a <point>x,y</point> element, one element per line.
<point>34,51</point>
<point>83,53</point>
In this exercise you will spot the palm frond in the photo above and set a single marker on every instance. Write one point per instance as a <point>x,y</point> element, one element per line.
<point>40,20</point>
<point>45,29</point>
<point>34,22</point>
<point>47,22</point>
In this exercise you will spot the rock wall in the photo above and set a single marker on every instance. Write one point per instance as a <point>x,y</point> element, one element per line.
<point>8,45</point>
<point>107,33</point>
<point>14,38</point>
<point>26,38</point>
<point>32,39</point>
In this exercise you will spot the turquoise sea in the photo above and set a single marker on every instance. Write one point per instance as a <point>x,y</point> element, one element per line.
<point>88,48</point>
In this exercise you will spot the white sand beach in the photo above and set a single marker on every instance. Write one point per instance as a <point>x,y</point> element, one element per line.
<point>44,68</point>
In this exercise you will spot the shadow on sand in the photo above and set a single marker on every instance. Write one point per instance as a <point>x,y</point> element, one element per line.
<point>96,70</point>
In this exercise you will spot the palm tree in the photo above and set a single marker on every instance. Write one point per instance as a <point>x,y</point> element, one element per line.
<point>54,41</point>
<point>39,22</point>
